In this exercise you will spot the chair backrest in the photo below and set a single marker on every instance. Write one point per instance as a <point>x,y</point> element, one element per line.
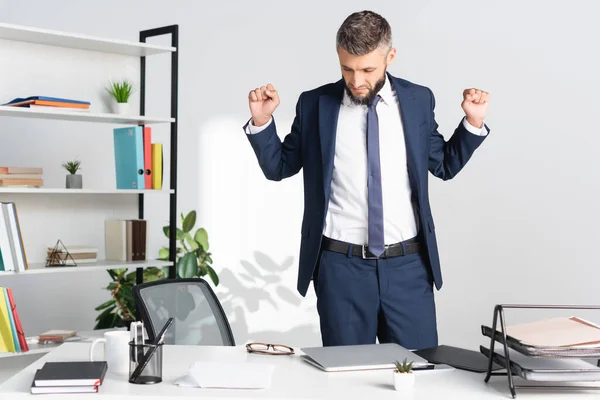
<point>199,318</point>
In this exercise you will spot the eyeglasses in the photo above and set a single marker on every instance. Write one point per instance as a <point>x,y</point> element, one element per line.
<point>267,348</point>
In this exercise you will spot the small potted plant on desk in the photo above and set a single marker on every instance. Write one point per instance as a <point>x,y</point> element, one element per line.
<point>404,379</point>
<point>74,180</point>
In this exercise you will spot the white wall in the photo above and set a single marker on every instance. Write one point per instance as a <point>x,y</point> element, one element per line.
<point>517,225</point>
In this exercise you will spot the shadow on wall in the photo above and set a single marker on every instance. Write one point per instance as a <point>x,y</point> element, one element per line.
<point>255,285</point>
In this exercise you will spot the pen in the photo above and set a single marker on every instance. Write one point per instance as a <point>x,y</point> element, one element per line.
<point>138,370</point>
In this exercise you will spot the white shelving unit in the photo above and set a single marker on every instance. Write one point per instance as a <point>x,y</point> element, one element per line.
<point>10,32</point>
<point>83,116</point>
<point>40,268</point>
<point>82,42</point>
<point>42,190</point>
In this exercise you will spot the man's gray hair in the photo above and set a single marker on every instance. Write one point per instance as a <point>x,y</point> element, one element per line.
<point>364,31</point>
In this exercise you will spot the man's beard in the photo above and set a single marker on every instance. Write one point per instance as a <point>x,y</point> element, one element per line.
<point>370,94</point>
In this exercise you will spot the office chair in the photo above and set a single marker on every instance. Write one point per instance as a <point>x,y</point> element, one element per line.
<point>199,318</point>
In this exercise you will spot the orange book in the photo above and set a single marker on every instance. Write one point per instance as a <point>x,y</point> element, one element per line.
<point>59,104</point>
<point>19,327</point>
<point>21,182</point>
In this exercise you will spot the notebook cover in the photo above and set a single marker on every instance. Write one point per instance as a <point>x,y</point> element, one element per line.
<point>71,373</point>
<point>456,357</point>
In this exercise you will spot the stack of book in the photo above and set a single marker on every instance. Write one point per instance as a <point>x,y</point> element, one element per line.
<point>72,255</point>
<point>126,240</point>
<point>12,338</point>
<point>49,103</point>
<point>21,176</point>
<point>69,377</point>
<point>12,250</point>
<point>58,336</point>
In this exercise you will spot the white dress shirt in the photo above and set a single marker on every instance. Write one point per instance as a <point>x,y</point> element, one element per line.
<point>347,214</point>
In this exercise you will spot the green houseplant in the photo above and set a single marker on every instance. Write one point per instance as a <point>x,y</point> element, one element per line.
<point>121,91</point>
<point>192,260</point>
<point>73,180</point>
<point>404,379</point>
<point>119,311</point>
<point>192,256</point>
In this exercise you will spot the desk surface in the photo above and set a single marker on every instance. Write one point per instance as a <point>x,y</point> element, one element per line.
<point>293,379</point>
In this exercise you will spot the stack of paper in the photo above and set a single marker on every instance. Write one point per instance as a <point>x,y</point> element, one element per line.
<point>208,374</point>
<point>557,332</point>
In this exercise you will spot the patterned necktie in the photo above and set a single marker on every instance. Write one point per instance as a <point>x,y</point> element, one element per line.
<point>375,198</point>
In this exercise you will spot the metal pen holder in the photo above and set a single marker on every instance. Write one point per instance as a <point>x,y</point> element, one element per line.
<point>147,357</point>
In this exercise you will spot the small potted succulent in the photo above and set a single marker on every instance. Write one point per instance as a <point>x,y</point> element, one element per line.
<point>404,378</point>
<point>74,180</point>
<point>121,92</point>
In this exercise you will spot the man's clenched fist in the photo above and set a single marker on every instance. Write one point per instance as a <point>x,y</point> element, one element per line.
<point>263,102</point>
<point>475,106</point>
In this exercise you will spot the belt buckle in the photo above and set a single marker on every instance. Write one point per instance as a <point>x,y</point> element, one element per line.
<point>364,254</point>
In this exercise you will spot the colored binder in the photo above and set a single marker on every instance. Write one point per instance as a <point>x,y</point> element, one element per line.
<point>157,166</point>
<point>11,319</point>
<point>147,157</point>
<point>129,157</point>
<point>6,338</point>
<point>13,307</point>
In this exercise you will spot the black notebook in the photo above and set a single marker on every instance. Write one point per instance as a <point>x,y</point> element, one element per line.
<point>458,358</point>
<point>71,373</point>
<point>60,389</point>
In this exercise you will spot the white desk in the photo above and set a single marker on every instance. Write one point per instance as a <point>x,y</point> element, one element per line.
<point>293,379</point>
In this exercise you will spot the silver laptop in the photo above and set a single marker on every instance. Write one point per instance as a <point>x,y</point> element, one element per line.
<point>359,357</point>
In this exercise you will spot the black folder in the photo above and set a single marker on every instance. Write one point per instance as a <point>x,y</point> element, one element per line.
<point>468,360</point>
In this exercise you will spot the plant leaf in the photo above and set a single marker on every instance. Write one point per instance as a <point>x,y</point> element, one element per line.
<point>187,266</point>
<point>178,233</point>
<point>163,254</point>
<point>213,275</point>
<point>201,237</point>
<point>189,221</point>
<point>193,244</point>
<point>104,305</point>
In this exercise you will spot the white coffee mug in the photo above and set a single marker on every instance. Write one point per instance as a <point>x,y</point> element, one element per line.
<point>116,351</point>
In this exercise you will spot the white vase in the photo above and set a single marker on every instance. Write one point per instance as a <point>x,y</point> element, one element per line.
<point>121,108</point>
<point>403,381</point>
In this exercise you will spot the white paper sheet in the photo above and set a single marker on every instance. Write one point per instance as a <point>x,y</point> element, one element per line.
<point>212,374</point>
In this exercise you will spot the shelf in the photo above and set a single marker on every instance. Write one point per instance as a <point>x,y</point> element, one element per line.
<point>36,348</point>
<point>86,116</point>
<point>28,190</point>
<point>83,42</point>
<point>39,268</point>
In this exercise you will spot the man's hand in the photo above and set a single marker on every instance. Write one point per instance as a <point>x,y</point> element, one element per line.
<point>475,106</point>
<point>263,102</point>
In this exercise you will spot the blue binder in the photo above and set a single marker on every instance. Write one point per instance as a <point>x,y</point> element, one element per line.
<point>129,157</point>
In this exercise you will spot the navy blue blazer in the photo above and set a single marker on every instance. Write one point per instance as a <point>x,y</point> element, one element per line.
<point>310,147</point>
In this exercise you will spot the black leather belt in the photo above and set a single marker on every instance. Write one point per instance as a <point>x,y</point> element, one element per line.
<point>393,250</point>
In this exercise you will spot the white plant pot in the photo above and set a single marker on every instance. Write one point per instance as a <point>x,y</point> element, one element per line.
<point>121,108</point>
<point>404,381</point>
